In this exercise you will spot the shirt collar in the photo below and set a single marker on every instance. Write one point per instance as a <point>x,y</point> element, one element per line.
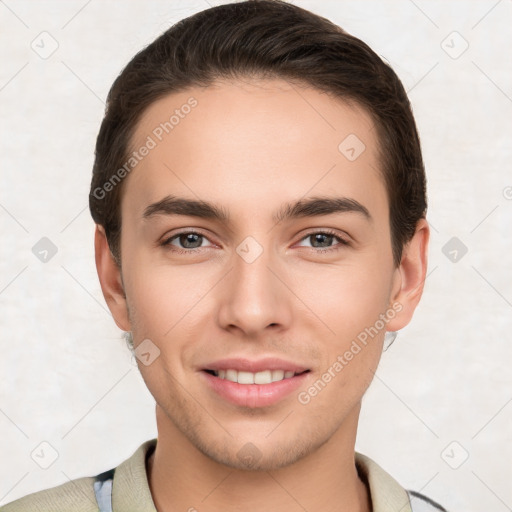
<point>386,493</point>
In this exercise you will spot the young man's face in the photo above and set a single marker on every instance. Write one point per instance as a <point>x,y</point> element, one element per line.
<point>252,293</point>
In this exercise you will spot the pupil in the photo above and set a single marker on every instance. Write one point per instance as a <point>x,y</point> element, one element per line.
<point>189,238</point>
<point>324,235</point>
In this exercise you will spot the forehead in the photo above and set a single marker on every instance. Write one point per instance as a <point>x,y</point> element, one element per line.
<point>253,139</point>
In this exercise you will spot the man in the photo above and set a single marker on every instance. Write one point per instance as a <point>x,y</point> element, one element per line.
<point>259,195</point>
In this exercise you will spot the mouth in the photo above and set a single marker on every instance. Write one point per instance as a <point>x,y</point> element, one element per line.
<point>254,383</point>
<point>261,377</point>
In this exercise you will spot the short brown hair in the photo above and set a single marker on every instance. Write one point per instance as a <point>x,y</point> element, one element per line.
<point>268,39</point>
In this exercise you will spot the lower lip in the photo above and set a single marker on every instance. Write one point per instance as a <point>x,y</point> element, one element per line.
<point>254,395</point>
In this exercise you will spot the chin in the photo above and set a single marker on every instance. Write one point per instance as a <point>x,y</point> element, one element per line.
<point>259,455</point>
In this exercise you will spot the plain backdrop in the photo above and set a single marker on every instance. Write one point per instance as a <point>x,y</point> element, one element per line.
<point>438,414</point>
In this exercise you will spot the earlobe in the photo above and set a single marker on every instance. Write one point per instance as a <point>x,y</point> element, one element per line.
<point>411,276</point>
<point>110,278</point>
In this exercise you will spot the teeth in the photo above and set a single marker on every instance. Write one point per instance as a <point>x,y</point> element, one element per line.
<point>245,378</point>
<point>232,375</point>
<point>277,375</point>
<point>263,377</point>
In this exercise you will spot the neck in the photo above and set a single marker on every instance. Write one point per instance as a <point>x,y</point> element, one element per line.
<point>182,478</point>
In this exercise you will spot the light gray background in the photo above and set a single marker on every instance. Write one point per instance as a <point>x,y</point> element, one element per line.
<point>67,378</point>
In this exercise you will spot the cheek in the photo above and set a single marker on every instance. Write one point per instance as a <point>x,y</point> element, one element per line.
<point>164,299</point>
<point>347,297</point>
<point>349,301</point>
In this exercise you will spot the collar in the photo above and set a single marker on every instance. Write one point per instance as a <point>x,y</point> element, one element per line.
<point>386,493</point>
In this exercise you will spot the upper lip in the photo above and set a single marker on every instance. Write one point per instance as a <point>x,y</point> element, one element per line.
<point>255,366</point>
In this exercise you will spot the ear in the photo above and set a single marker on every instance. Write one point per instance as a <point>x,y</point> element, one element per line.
<point>110,279</point>
<point>409,278</point>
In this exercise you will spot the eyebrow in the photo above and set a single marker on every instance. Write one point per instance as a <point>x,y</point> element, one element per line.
<point>310,207</point>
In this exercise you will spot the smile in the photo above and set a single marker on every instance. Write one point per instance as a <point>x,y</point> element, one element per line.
<point>262,377</point>
<point>254,385</point>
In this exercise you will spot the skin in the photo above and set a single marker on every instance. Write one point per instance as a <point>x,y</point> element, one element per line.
<point>251,146</point>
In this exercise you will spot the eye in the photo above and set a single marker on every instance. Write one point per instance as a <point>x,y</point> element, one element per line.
<point>325,238</point>
<point>189,241</point>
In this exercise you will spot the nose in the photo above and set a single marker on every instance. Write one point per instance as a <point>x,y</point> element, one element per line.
<point>253,294</point>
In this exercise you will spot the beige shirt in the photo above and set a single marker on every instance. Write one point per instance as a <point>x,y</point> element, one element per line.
<point>130,489</point>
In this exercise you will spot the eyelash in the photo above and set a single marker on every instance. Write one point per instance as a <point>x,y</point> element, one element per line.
<point>342,242</point>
